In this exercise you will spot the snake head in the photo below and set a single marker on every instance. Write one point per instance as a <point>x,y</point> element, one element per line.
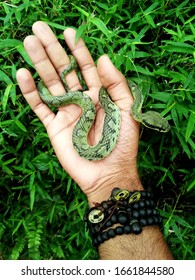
<point>154,120</point>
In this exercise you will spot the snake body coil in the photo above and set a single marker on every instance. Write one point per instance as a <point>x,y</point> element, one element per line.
<point>112,118</point>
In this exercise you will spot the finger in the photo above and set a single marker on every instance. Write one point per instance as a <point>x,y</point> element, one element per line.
<point>43,65</point>
<point>55,52</point>
<point>28,88</point>
<point>84,59</point>
<point>114,81</point>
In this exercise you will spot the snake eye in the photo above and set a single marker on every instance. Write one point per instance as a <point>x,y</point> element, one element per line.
<point>95,216</point>
<point>165,127</point>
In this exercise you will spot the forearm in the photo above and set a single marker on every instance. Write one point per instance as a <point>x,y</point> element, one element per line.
<point>149,244</point>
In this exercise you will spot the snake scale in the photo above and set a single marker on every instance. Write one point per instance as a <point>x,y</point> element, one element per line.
<point>112,117</point>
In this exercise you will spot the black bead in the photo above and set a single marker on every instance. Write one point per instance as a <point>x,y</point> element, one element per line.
<point>111,233</point>
<point>128,209</point>
<point>152,203</point>
<point>149,194</point>
<point>160,219</point>
<point>143,194</point>
<point>105,205</point>
<point>99,238</point>
<point>96,228</point>
<point>155,220</point>
<point>141,204</point>
<point>92,231</point>
<point>135,214</point>
<point>108,224</point>
<point>114,191</point>
<point>122,218</point>
<point>119,230</point>
<point>95,242</point>
<point>109,212</point>
<point>147,203</point>
<point>142,212</point>
<point>136,228</point>
<point>150,221</point>
<point>127,229</point>
<point>155,212</point>
<point>135,205</point>
<point>124,203</point>
<point>143,222</point>
<point>105,236</point>
<point>149,211</point>
<point>113,219</point>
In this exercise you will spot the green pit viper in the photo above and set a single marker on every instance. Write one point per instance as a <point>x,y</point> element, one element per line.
<point>107,142</point>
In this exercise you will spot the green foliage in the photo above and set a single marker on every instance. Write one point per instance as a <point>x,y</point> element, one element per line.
<point>151,42</point>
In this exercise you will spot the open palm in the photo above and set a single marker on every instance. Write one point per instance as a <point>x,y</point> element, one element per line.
<point>50,59</point>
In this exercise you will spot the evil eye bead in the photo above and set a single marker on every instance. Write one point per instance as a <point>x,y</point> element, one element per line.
<point>134,197</point>
<point>121,195</point>
<point>95,216</point>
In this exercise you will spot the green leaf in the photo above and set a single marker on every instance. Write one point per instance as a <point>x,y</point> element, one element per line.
<point>182,221</point>
<point>8,161</point>
<point>51,213</point>
<point>18,15</point>
<point>24,54</point>
<point>2,230</point>
<point>80,31</point>
<point>150,20</point>
<point>178,47</point>
<point>82,11</point>
<point>139,54</point>
<point>161,96</point>
<point>152,7</point>
<point>175,117</point>
<point>191,186</point>
<point>170,31</point>
<point>17,227</point>
<point>176,230</point>
<point>20,125</point>
<point>192,18</point>
<point>120,4</point>
<point>101,26</point>
<point>56,25</point>
<point>6,96</point>
<point>5,78</point>
<point>18,248</point>
<point>140,69</point>
<point>10,43</point>
<point>183,144</point>
<point>190,126</point>
<point>5,168</point>
<point>68,186</point>
<point>32,190</point>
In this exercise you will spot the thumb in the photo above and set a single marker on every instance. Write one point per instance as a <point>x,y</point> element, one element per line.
<point>114,81</point>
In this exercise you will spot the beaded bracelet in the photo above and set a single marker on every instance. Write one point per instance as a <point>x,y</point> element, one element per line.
<point>131,210</point>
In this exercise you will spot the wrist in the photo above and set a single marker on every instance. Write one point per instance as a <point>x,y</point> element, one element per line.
<point>103,188</point>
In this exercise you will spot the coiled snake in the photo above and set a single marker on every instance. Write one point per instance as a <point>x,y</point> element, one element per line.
<point>112,118</point>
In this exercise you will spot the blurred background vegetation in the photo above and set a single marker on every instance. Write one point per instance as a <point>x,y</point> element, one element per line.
<point>151,42</point>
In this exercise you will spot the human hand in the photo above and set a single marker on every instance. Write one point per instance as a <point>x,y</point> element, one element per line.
<point>95,178</point>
